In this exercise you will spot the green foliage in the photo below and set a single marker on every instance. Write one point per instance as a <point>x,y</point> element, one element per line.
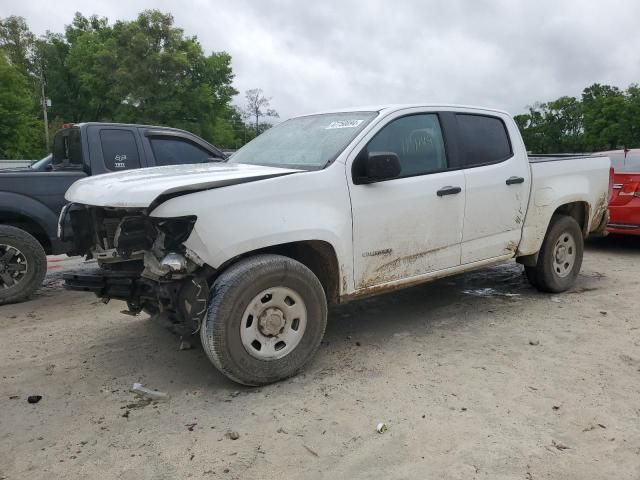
<point>604,118</point>
<point>16,40</point>
<point>142,71</point>
<point>18,127</point>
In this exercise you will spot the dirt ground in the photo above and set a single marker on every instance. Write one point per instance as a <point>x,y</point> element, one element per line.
<point>476,376</point>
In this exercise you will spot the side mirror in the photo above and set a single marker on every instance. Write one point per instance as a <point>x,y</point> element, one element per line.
<point>378,166</point>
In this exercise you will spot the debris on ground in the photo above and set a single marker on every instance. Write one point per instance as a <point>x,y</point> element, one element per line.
<point>190,426</point>
<point>312,452</point>
<point>233,435</point>
<point>185,345</point>
<point>282,430</point>
<point>34,398</point>
<point>591,427</point>
<point>381,428</point>
<point>141,390</point>
<point>534,342</point>
<point>559,445</point>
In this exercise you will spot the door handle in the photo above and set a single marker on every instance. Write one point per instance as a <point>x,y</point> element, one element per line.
<point>448,191</point>
<point>514,180</point>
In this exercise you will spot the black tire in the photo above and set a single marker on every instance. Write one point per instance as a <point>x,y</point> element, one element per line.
<point>15,285</point>
<point>546,276</point>
<point>231,295</point>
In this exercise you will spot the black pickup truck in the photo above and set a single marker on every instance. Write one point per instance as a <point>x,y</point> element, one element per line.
<point>31,198</point>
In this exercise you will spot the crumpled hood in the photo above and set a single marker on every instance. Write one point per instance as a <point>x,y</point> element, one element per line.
<point>139,188</point>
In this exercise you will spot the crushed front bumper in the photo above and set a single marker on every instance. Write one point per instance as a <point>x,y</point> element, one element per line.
<point>185,299</point>
<point>116,285</point>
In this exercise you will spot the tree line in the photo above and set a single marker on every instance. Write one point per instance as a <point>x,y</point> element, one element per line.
<point>148,71</point>
<point>603,118</point>
<point>141,71</point>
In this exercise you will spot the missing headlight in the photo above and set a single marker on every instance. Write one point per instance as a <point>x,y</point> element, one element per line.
<point>176,230</point>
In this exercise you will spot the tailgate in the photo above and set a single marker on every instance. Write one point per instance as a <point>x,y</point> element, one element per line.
<point>626,187</point>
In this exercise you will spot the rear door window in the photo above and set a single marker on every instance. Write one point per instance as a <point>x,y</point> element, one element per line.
<point>119,149</point>
<point>176,151</point>
<point>484,140</point>
<point>67,148</point>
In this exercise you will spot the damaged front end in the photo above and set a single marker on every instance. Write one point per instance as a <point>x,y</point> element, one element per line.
<point>142,261</point>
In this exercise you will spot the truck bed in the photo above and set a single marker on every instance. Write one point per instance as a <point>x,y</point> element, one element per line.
<point>560,156</point>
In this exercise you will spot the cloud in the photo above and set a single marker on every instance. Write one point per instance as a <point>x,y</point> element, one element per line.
<point>313,56</point>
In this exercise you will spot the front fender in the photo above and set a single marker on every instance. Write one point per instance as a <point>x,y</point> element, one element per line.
<point>30,209</point>
<point>234,220</point>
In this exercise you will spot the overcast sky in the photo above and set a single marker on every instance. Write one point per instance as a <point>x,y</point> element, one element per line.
<point>323,54</point>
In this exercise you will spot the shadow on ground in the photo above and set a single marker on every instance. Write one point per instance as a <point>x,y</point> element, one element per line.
<point>614,244</point>
<point>151,350</point>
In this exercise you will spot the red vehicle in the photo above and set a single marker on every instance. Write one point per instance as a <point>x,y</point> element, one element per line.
<point>624,202</point>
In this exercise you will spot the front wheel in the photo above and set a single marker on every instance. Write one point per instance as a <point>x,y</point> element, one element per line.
<point>23,264</point>
<point>265,320</point>
<point>560,256</point>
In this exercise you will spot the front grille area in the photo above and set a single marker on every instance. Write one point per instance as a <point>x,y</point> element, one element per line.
<point>110,225</point>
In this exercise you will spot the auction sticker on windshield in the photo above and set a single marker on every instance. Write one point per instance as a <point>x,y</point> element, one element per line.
<point>344,124</point>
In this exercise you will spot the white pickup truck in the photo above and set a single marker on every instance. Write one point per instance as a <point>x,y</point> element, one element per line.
<point>326,208</point>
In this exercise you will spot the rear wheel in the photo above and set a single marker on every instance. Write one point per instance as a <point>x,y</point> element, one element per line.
<point>265,319</point>
<point>560,256</point>
<point>23,264</point>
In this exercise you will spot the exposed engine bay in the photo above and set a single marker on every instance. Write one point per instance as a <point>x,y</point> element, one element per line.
<point>142,261</point>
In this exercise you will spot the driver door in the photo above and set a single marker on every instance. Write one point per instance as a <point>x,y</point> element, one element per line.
<point>410,225</point>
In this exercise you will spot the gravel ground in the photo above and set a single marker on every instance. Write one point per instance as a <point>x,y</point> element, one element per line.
<point>476,376</point>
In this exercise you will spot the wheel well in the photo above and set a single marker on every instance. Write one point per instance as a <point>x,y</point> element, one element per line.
<point>318,256</point>
<point>579,211</point>
<point>28,225</point>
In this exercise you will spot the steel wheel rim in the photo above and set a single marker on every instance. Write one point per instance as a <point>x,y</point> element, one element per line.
<point>13,266</point>
<point>273,323</point>
<point>564,255</point>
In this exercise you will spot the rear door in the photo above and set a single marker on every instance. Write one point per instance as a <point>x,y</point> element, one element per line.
<point>498,181</point>
<point>410,225</point>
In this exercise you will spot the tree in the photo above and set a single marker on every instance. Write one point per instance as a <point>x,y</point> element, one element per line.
<point>603,109</point>
<point>146,71</point>
<point>20,47</point>
<point>257,107</point>
<point>631,118</point>
<point>17,41</point>
<point>19,128</point>
<point>605,117</point>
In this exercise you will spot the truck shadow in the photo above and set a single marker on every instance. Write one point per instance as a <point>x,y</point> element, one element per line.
<point>442,307</point>
<point>614,244</point>
<point>150,350</point>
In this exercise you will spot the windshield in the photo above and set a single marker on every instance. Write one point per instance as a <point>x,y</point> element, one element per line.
<point>308,143</point>
<point>630,164</point>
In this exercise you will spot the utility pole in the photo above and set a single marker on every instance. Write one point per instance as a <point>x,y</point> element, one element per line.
<point>44,110</point>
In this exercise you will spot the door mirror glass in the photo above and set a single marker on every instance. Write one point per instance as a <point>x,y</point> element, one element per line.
<point>380,166</point>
